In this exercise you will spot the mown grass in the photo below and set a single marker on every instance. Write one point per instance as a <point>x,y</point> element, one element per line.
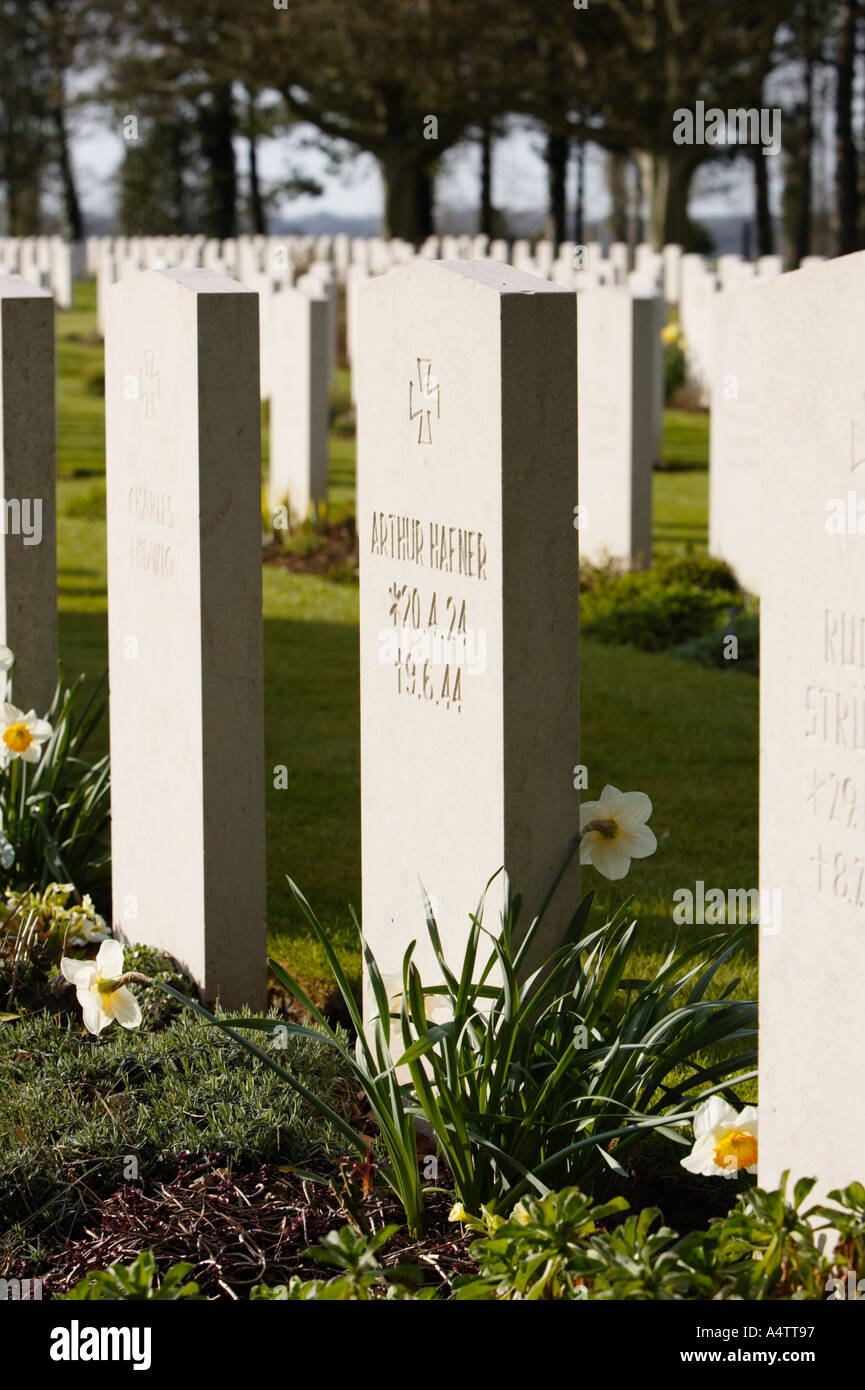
<point>686,735</point>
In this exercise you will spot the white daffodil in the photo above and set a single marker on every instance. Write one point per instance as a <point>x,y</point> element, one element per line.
<point>94,982</point>
<point>614,831</point>
<point>23,735</point>
<point>724,1142</point>
<point>6,658</point>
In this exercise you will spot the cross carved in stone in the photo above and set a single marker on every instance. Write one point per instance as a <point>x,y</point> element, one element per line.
<point>423,399</point>
<point>148,385</point>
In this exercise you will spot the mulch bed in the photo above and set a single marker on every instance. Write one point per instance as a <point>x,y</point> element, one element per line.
<point>331,547</point>
<point>241,1229</point>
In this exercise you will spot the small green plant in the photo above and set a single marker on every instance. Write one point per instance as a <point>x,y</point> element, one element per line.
<point>137,1281</point>
<point>361,1277</point>
<point>541,1252</point>
<point>766,1248</point>
<point>847,1217</point>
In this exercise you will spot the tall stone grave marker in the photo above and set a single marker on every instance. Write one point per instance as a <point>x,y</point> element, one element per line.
<point>812,725</point>
<point>299,404</point>
<point>616,388</point>
<point>468,598</point>
<point>28,536</point>
<point>736,529</point>
<point>184,625</point>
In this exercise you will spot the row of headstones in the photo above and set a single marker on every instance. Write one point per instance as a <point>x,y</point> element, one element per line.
<point>621,366</point>
<point>469,592</point>
<point>49,262</point>
<point>619,444</point>
<point>621,372</point>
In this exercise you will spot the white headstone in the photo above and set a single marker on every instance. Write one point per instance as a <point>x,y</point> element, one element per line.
<point>672,257</point>
<point>812,725</point>
<point>28,536</point>
<point>647,260</point>
<point>618,257</point>
<point>736,531</point>
<point>467,445</point>
<point>61,272</point>
<point>544,256</point>
<point>698,289</point>
<point>106,275</point>
<point>299,403</point>
<point>355,275</point>
<point>615,385</point>
<point>770,266</point>
<point>729,267</point>
<point>319,282</point>
<point>183,468</point>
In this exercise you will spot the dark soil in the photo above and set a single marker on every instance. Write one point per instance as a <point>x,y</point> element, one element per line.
<point>330,549</point>
<point>242,1229</point>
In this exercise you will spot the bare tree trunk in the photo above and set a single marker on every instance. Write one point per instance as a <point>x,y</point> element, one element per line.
<point>579,203</point>
<point>485,222</point>
<point>671,183</point>
<point>408,202</point>
<point>217,132</point>
<point>846,162</point>
<point>617,164</point>
<point>71,205</point>
<point>256,201</point>
<point>802,232</point>
<point>762,213</point>
<point>557,168</point>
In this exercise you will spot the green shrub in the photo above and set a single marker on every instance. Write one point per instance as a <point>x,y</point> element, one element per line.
<point>674,369</point>
<point>87,505</point>
<point>677,600</point>
<point>709,650</point>
<point>705,572</point>
<point>94,380</point>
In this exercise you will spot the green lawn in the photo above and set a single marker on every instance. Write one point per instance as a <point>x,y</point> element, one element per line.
<point>685,735</point>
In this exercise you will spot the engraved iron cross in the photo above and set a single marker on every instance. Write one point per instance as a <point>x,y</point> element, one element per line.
<point>422,399</point>
<point>148,385</point>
